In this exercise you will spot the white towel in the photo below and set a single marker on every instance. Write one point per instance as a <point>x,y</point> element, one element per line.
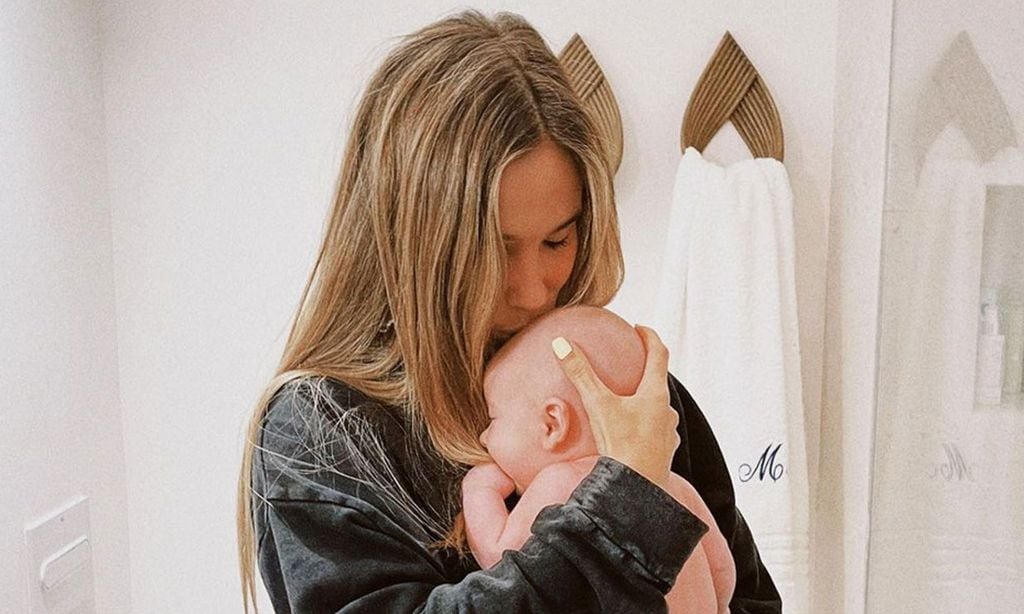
<point>727,311</point>
<point>947,530</point>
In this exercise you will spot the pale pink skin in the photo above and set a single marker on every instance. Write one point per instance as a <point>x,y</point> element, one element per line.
<point>540,440</point>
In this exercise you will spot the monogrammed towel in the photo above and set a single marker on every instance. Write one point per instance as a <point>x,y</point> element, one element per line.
<point>727,311</point>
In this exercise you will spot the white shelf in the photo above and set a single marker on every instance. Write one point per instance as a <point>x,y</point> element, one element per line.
<point>1011,402</point>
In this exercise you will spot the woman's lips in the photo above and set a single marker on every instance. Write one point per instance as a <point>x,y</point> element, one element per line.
<point>501,337</point>
<point>504,333</point>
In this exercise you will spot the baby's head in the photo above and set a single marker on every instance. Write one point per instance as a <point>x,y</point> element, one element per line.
<point>537,417</point>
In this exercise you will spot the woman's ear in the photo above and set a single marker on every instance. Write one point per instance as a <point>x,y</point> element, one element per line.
<point>558,424</point>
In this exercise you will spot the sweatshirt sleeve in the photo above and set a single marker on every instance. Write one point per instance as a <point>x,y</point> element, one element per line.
<point>699,459</point>
<point>324,547</point>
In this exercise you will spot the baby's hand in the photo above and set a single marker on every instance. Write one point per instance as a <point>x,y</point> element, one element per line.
<point>488,476</point>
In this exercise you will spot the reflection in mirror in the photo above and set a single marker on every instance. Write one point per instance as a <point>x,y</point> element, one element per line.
<point>947,508</point>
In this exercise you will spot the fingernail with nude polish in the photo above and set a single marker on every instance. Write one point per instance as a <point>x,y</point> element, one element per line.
<point>561,347</point>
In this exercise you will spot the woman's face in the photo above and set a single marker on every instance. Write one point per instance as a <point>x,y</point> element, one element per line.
<point>540,198</point>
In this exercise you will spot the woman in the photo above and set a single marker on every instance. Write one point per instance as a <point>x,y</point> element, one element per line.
<point>474,196</point>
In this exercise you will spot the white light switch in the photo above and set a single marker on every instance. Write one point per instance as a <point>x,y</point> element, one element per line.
<point>60,571</point>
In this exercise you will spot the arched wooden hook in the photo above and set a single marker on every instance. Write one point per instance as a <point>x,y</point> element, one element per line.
<point>589,83</point>
<point>730,89</point>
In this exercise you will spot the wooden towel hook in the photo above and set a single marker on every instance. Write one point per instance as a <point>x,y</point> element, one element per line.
<point>589,83</point>
<point>730,89</point>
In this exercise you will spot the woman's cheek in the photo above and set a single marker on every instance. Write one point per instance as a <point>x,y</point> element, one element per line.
<point>566,264</point>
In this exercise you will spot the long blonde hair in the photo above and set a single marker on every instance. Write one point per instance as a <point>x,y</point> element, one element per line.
<point>399,301</point>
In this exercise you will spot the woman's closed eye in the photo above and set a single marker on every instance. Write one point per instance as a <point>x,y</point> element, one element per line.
<point>558,244</point>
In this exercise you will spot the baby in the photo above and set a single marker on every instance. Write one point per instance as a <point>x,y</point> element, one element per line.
<point>540,440</point>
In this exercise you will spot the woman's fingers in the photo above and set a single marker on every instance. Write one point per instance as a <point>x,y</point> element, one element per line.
<point>578,369</point>
<point>594,394</point>
<point>655,375</point>
<point>638,430</point>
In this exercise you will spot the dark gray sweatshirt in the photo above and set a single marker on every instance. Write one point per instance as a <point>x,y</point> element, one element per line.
<point>329,541</point>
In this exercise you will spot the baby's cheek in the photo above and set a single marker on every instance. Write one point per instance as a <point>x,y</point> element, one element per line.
<point>498,453</point>
<point>517,461</point>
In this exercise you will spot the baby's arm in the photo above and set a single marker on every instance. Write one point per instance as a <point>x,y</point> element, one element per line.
<point>484,489</point>
<point>490,530</point>
<point>552,486</point>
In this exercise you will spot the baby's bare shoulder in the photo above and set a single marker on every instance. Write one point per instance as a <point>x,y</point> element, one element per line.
<point>563,475</point>
<point>558,471</point>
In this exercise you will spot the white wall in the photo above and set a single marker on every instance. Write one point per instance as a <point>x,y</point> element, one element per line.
<point>223,131</point>
<point>841,524</point>
<point>60,416</point>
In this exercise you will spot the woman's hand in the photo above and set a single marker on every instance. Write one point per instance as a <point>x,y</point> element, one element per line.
<point>640,430</point>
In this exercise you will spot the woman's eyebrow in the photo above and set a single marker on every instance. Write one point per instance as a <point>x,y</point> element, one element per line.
<point>561,226</point>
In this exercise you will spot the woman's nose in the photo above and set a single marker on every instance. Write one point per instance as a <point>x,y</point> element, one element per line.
<point>526,288</point>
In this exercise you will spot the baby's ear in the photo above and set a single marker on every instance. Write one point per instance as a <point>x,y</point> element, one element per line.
<point>557,424</point>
